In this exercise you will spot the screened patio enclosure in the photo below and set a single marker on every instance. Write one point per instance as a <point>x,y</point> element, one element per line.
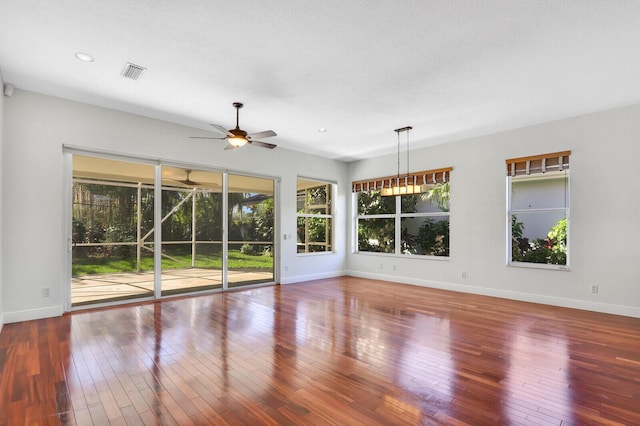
<point>133,238</point>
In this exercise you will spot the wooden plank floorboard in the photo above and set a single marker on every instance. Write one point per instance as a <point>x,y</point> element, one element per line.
<point>335,351</point>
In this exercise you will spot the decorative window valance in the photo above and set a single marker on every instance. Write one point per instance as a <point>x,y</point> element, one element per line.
<point>426,177</point>
<point>555,161</point>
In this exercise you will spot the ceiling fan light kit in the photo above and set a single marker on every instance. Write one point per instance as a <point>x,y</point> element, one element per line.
<point>238,137</point>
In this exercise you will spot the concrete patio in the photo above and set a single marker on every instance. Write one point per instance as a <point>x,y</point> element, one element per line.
<point>99,288</point>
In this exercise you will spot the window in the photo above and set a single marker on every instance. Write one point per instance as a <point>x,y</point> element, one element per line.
<point>410,224</point>
<point>538,210</point>
<point>314,216</point>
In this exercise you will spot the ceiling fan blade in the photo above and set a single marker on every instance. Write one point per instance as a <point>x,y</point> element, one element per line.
<point>206,137</point>
<point>262,144</point>
<point>229,146</point>
<point>261,135</point>
<point>221,129</point>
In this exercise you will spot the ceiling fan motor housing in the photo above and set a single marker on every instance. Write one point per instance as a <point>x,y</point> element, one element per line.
<point>238,133</point>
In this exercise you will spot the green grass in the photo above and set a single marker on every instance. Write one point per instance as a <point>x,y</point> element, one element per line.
<point>111,265</point>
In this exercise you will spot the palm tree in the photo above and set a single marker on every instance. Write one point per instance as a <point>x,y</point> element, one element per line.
<point>440,195</point>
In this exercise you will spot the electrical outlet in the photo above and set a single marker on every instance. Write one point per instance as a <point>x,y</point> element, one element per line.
<point>286,268</point>
<point>464,274</point>
<point>394,267</point>
<point>46,292</point>
<point>594,288</point>
<point>381,266</point>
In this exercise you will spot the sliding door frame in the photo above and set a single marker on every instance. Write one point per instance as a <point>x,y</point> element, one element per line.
<point>66,275</point>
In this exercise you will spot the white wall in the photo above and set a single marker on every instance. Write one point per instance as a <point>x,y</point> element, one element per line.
<point>2,168</point>
<point>37,127</point>
<point>604,245</point>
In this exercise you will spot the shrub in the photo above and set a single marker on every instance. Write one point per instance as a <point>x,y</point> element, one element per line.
<point>247,249</point>
<point>433,237</point>
<point>115,234</point>
<point>539,252</point>
<point>552,250</point>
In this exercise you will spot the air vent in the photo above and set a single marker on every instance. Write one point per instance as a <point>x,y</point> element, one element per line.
<point>132,71</point>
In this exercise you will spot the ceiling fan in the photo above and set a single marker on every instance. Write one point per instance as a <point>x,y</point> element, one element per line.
<point>238,137</point>
<point>187,181</point>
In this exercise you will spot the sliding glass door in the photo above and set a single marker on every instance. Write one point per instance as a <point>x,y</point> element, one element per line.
<point>115,216</point>
<point>112,230</point>
<point>251,230</point>
<point>191,230</point>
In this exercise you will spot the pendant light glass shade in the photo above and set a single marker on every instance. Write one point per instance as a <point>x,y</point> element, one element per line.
<point>401,189</point>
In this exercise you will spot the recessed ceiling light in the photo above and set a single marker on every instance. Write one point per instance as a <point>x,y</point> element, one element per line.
<point>322,130</point>
<point>85,57</point>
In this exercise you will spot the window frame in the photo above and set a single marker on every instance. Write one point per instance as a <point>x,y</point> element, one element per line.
<point>511,212</point>
<point>398,215</point>
<point>328,216</point>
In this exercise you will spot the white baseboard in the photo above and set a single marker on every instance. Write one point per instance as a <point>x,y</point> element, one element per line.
<point>310,277</point>
<point>32,314</point>
<point>630,311</point>
<point>585,305</point>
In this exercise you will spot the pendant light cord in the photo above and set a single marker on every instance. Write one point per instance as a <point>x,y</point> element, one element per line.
<point>398,175</point>
<point>408,152</point>
<point>403,129</point>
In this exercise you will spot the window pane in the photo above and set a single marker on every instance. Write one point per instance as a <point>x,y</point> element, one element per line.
<point>176,208</point>
<point>539,237</point>
<point>539,192</point>
<point>409,203</point>
<point>191,231</point>
<point>376,235</point>
<point>112,230</point>
<point>318,195</point>
<point>251,223</point>
<point>371,202</point>
<point>313,195</point>
<point>435,199</point>
<point>425,236</point>
<point>314,234</point>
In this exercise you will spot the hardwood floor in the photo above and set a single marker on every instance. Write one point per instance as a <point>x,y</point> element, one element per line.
<point>336,351</point>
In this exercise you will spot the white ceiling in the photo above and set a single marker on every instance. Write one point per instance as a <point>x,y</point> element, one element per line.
<point>451,68</point>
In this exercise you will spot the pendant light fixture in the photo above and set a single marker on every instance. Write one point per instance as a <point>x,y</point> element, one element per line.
<point>406,184</point>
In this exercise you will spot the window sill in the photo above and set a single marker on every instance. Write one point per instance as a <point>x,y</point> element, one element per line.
<point>316,253</point>
<point>404,256</point>
<point>539,266</point>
